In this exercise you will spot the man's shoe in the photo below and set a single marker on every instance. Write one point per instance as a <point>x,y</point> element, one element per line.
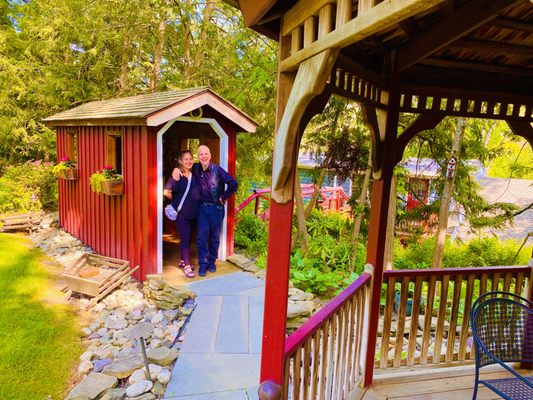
<point>201,272</point>
<point>212,268</point>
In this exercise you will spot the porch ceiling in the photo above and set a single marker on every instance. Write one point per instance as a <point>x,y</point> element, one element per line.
<point>472,45</point>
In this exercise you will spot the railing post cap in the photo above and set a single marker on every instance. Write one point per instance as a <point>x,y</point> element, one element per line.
<point>269,390</point>
<point>369,268</point>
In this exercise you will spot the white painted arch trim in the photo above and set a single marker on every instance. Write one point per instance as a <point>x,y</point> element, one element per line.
<point>224,148</point>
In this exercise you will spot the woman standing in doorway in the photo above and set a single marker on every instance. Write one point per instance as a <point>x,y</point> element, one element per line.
<point>185,200</point>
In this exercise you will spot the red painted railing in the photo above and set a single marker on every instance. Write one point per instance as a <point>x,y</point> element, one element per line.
<point>323,356</point>
<point>331,199</point>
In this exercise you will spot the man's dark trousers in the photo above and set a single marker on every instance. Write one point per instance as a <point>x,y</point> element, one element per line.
<point>210,220</point>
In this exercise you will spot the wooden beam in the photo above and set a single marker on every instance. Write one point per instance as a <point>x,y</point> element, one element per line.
<point>455,25</point>
<point>378,18</point>
<point>310,81</point>
<point>422,123</point>
<point>522,128</point>
<point>512,24</point>
<point>483,67</point>
<point>494,47</point>
<point>360,70</point>
<point>254,10</point>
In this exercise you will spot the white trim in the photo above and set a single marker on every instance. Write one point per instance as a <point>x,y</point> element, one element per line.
<point>224,150</point>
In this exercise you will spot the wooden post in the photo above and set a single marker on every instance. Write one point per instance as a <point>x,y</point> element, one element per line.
<point>384,130</point>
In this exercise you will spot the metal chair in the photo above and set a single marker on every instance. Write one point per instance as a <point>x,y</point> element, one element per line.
<point>502,327</point>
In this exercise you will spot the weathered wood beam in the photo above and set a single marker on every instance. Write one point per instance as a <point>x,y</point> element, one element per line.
<point>466,80</point>
<point>483,67</point>
<point>380,17</point>
<point>522,128</point>
<point>494,47</point>
<point>509,23</point>
<point>310,81</point>
<point>455,25</point>
<point>422,123</point>
<point>254,10</point>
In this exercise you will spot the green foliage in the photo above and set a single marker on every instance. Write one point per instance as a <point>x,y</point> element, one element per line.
<point>474,253</point>
<point>28,186</point>
<point>102,175</point>
<point>251,235</point>
<point>37,328</point>
<point>63,165</point>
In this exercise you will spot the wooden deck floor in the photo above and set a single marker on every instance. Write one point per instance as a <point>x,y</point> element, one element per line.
<point>454,383</point>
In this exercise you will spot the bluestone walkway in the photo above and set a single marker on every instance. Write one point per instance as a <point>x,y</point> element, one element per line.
<point>220,355</point>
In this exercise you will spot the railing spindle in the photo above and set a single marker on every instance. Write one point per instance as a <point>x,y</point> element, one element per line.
<point>428,318</point>
<point>415,311</point>
<point>466,317</point>
<point>387,321</point>
<point>441,318</point>
<point>453,318</point>
<point>400,326</point>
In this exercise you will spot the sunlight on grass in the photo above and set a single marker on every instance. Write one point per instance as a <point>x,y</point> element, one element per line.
<point>39,337</point>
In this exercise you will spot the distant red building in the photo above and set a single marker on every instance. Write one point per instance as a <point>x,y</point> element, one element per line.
<point>140,137</point>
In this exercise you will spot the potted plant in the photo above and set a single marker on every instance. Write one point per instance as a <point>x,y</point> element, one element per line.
<point>66,169</point>
<point>107,181</point>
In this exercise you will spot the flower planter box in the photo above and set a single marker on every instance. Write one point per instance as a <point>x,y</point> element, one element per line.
<point>96,276</point>
<point>113,188</point>
<point>70,174</point>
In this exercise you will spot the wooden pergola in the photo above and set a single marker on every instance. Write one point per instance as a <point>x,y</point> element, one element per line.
<point>432,58</point>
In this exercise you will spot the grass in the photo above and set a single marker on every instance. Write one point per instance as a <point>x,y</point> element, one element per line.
<point>39,336</point>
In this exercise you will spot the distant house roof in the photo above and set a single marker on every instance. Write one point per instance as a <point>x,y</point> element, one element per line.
<point>421,167</point>
<point>151,109</point>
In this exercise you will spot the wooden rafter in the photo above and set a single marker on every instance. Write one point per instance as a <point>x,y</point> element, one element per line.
<point>385,14</point>
<point>454,25</point>
<point>474,66</point>
<point>508,23</point>
<point>493,47</point>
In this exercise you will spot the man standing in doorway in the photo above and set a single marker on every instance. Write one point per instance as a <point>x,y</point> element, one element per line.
<point>216,186</point>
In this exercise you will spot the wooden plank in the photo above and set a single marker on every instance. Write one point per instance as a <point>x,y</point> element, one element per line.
<point>428,315</point>
<point>310,31</point>
<point>344,12</point>
<point>450,347</point>
<point>415,312</point>
<point>324,359</point>
<point>387,320</point>
<point>466,317</point>
<point>400,327</point>
<point>441,317</point>
<point>317,359</point>
<point>306,372</point>
<point>378,18</point>
<point>301,11</point>
<point>325,19</point>
<point>297,368</point>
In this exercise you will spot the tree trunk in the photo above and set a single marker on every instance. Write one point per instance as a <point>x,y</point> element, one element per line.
<point>158,51</point>
<point>391,222</point>
<point>123,77</point>
<point>447,196</point>
<point>300,215</point>
<point>187,40</point>
<point>316,192</point>
<point>360,212</point>
<point>208,11</point>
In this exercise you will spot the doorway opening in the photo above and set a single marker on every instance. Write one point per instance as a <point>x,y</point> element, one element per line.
<point>177,135</point>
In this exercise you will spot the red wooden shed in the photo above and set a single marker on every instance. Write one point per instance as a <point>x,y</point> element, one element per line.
<point>140,137</point>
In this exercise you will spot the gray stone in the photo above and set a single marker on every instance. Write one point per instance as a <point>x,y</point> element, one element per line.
<point>84,367</point>
<point>124,367</point>
<point>139,388</point>
<point>116,322</point>
<point>299,295</point>
<point>261,274</point>
<point>140,374</point>
<point>105,351</point>
<point>114,394</point>
<point>144,396</point>
<point>143,329</point>
<point>158,389</point>
<point>164,376</point>
<point>162,356</point>
<point>299,309</point>
<point>99,365</point>
<point>87,356</point>
<point>91,386</point>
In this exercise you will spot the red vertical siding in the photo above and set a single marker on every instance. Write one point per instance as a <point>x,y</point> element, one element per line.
<point>116,226</point>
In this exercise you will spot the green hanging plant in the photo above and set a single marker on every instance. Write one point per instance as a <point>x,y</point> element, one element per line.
<point>106,174</point>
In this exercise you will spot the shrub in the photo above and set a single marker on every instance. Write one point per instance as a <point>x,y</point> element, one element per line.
<point>251,235</point>
<point>28,186</point>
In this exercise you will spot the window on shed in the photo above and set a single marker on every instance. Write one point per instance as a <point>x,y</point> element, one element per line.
<point>114,150</point>
<point>72,145</point>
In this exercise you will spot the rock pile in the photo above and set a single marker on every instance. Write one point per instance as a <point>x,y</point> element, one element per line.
<point>112,352</point>
<point>164,294</point>
<point>112,367</point>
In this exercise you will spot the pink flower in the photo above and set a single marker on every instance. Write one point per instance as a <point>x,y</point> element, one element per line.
<point>108,167</point>
<point>63,159</point>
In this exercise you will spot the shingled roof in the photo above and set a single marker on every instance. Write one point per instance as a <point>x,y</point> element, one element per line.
<point>148,109</point>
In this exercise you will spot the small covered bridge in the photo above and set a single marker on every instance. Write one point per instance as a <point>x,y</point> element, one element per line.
<point>431,58</point>
<point>140,137</point>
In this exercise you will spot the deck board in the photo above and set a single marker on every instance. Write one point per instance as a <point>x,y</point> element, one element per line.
<point>433,384</point>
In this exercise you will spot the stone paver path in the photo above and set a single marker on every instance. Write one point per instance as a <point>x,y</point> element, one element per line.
<point>220,355</point>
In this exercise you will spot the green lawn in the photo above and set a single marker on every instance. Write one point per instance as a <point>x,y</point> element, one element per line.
<point>39,337</point>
